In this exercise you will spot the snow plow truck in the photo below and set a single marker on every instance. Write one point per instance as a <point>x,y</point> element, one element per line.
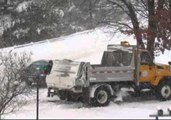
<point>122,65</point>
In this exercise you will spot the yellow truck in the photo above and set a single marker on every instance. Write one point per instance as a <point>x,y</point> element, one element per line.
<point>122,65</point>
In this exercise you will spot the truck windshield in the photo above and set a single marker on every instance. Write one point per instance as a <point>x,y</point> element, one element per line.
<point>116,58</point>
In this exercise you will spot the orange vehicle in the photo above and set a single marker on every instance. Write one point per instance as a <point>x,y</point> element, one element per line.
<point>121,65</point>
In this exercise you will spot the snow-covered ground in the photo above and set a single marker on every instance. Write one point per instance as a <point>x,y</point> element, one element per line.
<point>83,46</point>
<point>55,109</point>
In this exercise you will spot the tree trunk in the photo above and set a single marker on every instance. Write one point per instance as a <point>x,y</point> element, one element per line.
<point>5,3</point>
<point>151,34</point>
<point>91,13</point>
<point>135,23</point>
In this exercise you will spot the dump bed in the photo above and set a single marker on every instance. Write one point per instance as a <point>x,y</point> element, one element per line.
<point>111,74</point>
<point>66,74</point>
<point>117,65</point>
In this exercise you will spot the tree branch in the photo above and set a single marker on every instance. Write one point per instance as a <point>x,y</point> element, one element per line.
<point>118,5</point>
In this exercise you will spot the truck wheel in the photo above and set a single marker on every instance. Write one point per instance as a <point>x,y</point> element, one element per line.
<point>164,90</point>
<point>101,97</point>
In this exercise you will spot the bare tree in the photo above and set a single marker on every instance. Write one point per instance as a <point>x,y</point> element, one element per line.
<point>12,87</point>
<point>128,7</point>
<point>156,17</point>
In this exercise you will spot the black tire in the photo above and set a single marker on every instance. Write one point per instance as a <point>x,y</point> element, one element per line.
<point>74,97</point>
<point>49,94</point>
<point>101,97</point>
<point>70,98</point>
<point>164,90</point>
<point>63,95</point>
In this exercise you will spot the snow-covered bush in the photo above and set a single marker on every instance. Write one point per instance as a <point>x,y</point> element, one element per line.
<point>12,86</point>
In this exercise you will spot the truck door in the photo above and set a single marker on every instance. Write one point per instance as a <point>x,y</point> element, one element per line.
<point>147,67</point>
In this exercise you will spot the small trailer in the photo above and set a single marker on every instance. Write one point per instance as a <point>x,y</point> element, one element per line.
<point>121,66</point>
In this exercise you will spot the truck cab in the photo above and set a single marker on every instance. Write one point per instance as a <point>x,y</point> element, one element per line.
<point>158,76</point>
<point>150,71</point>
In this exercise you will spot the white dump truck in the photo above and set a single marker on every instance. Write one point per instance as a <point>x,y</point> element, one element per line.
<point>121,66</point>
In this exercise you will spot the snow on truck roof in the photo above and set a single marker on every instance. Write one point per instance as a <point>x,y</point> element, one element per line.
<point>114,47</point>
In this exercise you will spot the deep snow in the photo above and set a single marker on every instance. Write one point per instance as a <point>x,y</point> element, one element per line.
<point>83,46</point>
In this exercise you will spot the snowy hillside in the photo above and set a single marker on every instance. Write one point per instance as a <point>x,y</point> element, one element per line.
<point>86,46</point>
<point>76,46</point>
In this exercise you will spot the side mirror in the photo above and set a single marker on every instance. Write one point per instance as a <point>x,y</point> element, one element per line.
<point>169,63</point>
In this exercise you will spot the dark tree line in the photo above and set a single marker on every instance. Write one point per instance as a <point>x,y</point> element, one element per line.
<point>34,20</point>
<point>44,19</point>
